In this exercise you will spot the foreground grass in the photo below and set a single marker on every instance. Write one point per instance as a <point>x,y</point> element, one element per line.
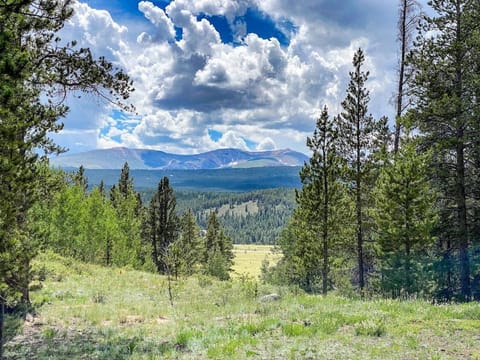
<point>90,312</point>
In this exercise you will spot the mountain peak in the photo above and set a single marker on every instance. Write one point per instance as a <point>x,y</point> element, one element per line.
<point>145,159</point>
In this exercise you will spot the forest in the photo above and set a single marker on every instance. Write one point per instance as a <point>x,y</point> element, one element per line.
<point>382,211</point>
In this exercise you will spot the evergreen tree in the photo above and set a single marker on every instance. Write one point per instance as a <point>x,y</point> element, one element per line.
<point>37,70</point>
<point>360,135</point>
<point>321,197</point>
<point>101,189</point>
<point>128,205</point>
<point>80,179</point>
<point>218,249</point>
<point>112,195</point>
<point>163,224</point>
<point>445,86</point>
<point>188,246</point>
<point>301,263</point>
<point>125,183</point>
<point>405,215</point>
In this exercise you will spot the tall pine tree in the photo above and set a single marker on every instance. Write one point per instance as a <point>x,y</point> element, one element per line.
<point>445,86</point>
<point>37,70</point>
<point>360,135</point>
<point>163,225</point>
<point>321,197</point>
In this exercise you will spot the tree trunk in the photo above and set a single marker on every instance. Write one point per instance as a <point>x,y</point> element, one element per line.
<point>361,270</point>
<point>24,281</point>
<point>2,315</point>
<point>325,235</point>
<point>401,75</point>
<point>462,221</point>
<point>407,268</point>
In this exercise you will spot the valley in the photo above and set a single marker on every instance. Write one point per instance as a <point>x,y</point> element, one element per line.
<point>232,180</point>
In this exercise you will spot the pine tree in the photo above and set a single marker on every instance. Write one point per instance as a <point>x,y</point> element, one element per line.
<point>445,86</point>
<point>80,179</point>
<point>125,183</point>
<point>321,197</point>
<point>218,249</point>
<point>101,189</point>
<point>405,215</point>
<point>130,213</point>
<point>36,70</point>
<point>188,246</point>
<point>163,224</point>
<point>360,135</point>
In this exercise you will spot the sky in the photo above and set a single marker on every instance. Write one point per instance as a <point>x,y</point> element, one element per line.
<point>210,74</point>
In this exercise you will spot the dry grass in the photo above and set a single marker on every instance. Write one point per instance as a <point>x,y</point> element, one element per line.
<point>249,258</point>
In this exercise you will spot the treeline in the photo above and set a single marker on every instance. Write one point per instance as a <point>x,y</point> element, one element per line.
<point>256,217</point>
<point>114,228</point>
<point>397,214</point>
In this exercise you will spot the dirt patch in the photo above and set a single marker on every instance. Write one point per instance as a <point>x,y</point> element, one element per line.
<point>162,320</point>
<point>132,319</point>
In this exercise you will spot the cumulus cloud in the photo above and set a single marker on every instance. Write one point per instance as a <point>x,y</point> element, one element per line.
<point>266,144</point>
<point>163,24</point>
<point>228,8</point>
<point>260,92</point>
<point>97,29</point>
<point>231,140</point>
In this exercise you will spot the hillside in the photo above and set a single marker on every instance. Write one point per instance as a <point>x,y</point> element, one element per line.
<point>143,159</point>
<point>91,312</point>
<point>251,217</point>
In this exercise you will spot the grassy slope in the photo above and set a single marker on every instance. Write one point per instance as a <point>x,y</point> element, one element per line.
<point>90,312</point>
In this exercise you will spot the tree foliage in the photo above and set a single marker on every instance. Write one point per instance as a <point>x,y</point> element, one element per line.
<point>37,70</point>
<point>405,215</point>
<point>445,86</point>
<point>188,247</point>
<point>163,225</point>
<point>321,209</point>
<point>362,138</point>
<point>218,250</point>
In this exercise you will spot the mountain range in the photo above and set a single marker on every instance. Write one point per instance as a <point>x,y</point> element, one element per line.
<point>143,159</point>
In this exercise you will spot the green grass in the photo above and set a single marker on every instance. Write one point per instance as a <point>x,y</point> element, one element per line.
<point>90,312</point>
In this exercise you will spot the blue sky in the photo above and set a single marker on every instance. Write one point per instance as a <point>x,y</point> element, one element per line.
<point>250,74</point>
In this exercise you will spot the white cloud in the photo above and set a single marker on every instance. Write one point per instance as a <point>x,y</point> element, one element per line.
<point>232,140</point>
<point>266,144</point>
<point>228,8</point>
<point>97,29</point>
<point>258,89</point>
<point>158,18</point>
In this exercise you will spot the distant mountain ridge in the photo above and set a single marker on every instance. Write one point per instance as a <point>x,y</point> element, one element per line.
<point>143,159</point>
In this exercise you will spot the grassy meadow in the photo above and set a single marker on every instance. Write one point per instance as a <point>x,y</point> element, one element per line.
<point>248,259</point>
<point>91,312</point>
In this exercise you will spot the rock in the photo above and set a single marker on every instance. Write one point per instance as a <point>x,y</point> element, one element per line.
<point>270,297</point>
<point>29,318</point>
